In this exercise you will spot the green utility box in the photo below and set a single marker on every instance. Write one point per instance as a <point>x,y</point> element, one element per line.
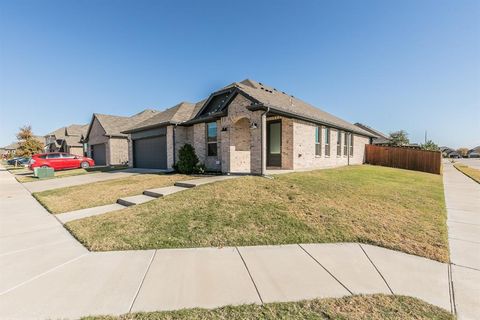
<point>42,173</point>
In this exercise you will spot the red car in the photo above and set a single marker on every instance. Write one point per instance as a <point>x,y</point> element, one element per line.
<point>59,161</point>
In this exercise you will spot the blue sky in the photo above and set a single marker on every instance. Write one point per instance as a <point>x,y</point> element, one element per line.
<point>409,64</point>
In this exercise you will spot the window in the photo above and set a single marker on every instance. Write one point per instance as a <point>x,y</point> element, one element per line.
<point>327,142</point>
<point>212,139</point>
<point>345,144</point>
<point>339,143</point>
<point>53,156</point>
<point>351,144</point>
<point>318,141</point>
<point>67,155</point>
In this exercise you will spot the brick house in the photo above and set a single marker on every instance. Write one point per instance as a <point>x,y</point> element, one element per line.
<point>248,127</point>
<point>106,144</point>
<point>67,139</point>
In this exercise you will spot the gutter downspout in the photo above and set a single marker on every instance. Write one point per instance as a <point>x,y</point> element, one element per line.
<point>263,148</point>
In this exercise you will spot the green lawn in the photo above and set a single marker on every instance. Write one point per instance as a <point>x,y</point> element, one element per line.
<point>394,208</point>
<point>102,192</point>
<point>69,173</point>
<point>373,307</point>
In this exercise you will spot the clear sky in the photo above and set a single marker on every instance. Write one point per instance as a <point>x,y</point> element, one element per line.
<point>406,64</point>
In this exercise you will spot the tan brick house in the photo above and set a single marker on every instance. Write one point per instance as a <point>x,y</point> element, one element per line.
<point>248,127</point>
<point>106,144</point>
<point>68,139</point>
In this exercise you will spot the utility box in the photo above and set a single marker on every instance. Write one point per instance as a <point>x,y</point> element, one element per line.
<point>42,173</point>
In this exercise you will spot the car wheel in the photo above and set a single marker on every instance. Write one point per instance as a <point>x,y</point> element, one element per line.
<point>85,165</point>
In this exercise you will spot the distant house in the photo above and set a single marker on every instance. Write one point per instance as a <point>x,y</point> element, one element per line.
<point>248,127</point>
<point>107,145</point>
<point>474,153</point>
<point>11,149</point>
<point>68,139</point>
<point>380,138</point>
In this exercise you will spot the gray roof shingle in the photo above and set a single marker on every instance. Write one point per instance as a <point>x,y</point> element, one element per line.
<point>115,125</point>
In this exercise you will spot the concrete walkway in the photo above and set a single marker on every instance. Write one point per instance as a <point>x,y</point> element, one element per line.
<point>462,197</point>
<point>38,186</point>
<point>46,273</point>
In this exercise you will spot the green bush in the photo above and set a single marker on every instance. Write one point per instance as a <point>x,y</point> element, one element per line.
<point>187,160</point>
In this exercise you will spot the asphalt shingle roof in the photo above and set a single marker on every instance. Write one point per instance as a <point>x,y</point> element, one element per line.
<point>115,125</point>
<point>177,114</point>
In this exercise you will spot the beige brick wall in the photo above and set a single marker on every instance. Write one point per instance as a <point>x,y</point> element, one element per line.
<point>304,148</point>
<point>97,133</point>
<point>130,151</point>
<point>76,151</point>
<point>117,151</point>
<point>169,142</point>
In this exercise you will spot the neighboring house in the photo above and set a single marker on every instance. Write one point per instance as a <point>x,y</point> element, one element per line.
<point>68,139</point>
<point>10,149</point>
<point>474,153</point>
<point>453,154</point>
<point>380,138</point>
<point>248,127</point>
<point>107,145</point>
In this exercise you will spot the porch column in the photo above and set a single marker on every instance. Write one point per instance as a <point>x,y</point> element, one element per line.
<point>264,143</point>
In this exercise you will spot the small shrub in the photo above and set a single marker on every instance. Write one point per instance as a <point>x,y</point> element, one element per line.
<point>187,160</point>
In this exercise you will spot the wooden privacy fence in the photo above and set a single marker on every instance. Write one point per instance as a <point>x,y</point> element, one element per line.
<point>404,158</point>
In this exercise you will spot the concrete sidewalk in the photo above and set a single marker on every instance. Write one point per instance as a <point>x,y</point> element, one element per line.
<point>45,273</point>
<point>462,198</point>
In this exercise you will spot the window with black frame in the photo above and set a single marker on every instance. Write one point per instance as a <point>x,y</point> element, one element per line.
<point>339,143</point>
<point>327,142</point>
<point>351,144</point>
<point>345,144</point>
<point>318,141</point>
<point>212,139</point>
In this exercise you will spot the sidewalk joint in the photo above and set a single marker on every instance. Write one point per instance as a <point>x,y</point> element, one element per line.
<point>318,262</point>
<point>42,274</point>
<point>251,278</point>
<point>453,307</point>
<point>141,282</point>
<point>373,264</point>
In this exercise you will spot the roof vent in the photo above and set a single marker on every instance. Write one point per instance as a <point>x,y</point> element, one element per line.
<point>283,92</point>
<point>260,83</point>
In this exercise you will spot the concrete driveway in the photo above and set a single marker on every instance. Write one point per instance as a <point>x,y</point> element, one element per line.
<point>46,273</point>
<point>56,183</point>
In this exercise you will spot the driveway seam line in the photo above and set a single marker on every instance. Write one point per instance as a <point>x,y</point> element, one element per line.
<point>250,275</point>
<point>42,274</point>
<point>141,282</point>
<point>467,267</point>
<point>36,230</point>
<point>453,307</point>
<point>318,262</point>
<point>33,247</point>
<point>373,264</point>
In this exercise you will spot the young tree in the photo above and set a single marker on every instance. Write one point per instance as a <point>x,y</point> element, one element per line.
<point>399,138</point>
<point>462,151</point>
<point>430,145</point>
<point>187,159</point>
<point>27,144</point>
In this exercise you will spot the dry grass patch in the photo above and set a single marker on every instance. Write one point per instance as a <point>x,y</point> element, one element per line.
<point>103,192</point>
<point>373,307</point>
<point>394,208</point>
<point>468,171</point>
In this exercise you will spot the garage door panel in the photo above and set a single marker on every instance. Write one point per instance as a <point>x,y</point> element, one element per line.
<point>99,154</point>
<point>150,152</point>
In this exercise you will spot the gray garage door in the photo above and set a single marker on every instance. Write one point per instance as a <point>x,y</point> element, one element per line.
<point>99,154</point>
<point>150,153</point>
